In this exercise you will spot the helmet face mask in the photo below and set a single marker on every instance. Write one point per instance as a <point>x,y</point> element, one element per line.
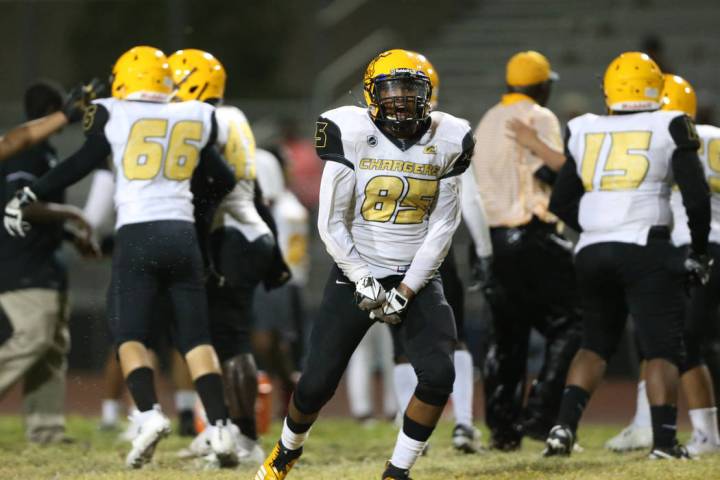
<point>397,92</point>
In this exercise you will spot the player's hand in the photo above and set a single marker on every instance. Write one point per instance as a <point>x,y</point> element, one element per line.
<point>82,236</point>
<point>13,220</point>
<point>698,267</point>
<point>395,306</point>
<point>522,133</point>
<point>484,280</point>
<point>79,99</point>
<point>369,294</point>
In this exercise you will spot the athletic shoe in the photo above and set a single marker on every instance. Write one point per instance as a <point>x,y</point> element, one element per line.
<point>186,423</point>
<point>676,452</point>
<point>152,427</point>
<point>505,443</point>
<point>394,473</point>
<point>559,442</point>
<point>278,464</point>
<point>199,447</point>
<point>249,451</point>
<point>700,444</point>
<point>466,439</point>
<point>221,437</point>
<point>631,438</point>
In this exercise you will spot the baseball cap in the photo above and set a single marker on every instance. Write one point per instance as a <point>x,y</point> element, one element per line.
<point>528,68</point>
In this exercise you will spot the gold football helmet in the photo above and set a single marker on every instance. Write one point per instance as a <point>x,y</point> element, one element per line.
<point>397,91</point>
<point>678,94</point>
<point>198,75</point>
<point>632,83</point>
<point>434,79</point>
<point>142,73</point>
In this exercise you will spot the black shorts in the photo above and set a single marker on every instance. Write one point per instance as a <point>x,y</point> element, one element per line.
<point>243,265</point>
<point>646,281</point>
<point>152,259</point>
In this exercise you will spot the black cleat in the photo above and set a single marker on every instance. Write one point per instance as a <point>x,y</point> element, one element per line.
<point>559,442</point>
<point>505,443</point>
<point>394,473</point>
<point>466,439</point>
<point>676,452</point>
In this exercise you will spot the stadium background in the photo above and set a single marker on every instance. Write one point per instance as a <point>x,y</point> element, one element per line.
<point>287,61</point>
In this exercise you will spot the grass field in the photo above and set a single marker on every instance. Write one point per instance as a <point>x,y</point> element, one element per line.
<point>338,449</point>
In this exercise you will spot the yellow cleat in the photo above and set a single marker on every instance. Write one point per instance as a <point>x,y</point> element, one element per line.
<point>278,464</point>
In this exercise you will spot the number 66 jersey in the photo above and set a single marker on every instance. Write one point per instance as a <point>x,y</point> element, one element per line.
<point>155,150</point>
<point>626,165</point>
<point>388,206</point>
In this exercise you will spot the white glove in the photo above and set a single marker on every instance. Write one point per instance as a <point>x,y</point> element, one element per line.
<point>13,220</point>
<point>369,294</point>
<point>393,309</point>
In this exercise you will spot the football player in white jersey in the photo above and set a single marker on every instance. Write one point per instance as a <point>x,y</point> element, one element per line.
<point>389,206</point>
<point>615,190</point>
<point>241,248</point>
<point>465,437</point>
<point>155,147</point>
<point>701,321</point>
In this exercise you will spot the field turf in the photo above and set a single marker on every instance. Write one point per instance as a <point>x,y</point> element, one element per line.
<point>337,450</point>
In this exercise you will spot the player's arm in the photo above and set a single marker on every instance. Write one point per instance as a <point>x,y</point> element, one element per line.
<point>567,191</point>
<point>538,140</point>
<point>28,134</point>
<point>473,214</point>
<point>337,193</point>
<point>690,178</point>
<point>99,203</point>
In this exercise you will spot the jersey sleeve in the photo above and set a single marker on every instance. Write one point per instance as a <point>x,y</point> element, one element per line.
<point>91,155</point>
<point>473,214</point>
<point>683,132</point>
<point>442,223</point>
<point>329,142</point>
<point>462,161</point>
<point>337,192</point>
<point>568,190</point>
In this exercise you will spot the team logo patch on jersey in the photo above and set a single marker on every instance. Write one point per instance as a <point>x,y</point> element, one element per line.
<point>430,149</point>
<point>372,140</point>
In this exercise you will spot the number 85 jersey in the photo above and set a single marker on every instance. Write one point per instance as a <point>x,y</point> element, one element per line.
<point>394,202</point>
<point>155,150</point>
<point>625,165</point>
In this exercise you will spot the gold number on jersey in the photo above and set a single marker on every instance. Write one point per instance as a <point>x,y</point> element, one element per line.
<point>240,150</point>
<point>143,157</point>
<point>384,196</point>
<point>182,157</point>
<point>713,161</point>
<point>626,163</point>
<point>297,248</point>
<point>320,135</point>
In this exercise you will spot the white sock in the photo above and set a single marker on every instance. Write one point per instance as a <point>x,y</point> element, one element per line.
<point>184,400</point>
<point>406,451</point>
<point>110,411</point>
<point>642,408</point>
<point>462,395</point>
<point>292,440</point>
<point>704,421</point>
<point>405,384</point>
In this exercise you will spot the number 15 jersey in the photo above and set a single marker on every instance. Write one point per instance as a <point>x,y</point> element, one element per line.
<point>624,163</point>
<point>155,149</point>
<point>396,187</point>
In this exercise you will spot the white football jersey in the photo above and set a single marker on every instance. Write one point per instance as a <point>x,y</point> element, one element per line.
<point>624,164</point>
<point>237,144</point>
<point>292,220</point>
<point>709,154</point>
<point>396,186</point>
<point>155,149</point>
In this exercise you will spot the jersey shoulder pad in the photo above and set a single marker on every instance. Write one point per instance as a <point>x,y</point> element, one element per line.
<point>708,131</point>
<point>336,132</point>
<point>457,135</point>
<point>580,121</point>
<point>225,116</point>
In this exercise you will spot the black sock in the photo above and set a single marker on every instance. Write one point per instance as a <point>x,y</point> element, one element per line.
<point>415,430</point>
<point>296,427</point>
<point>573,404</point>
<point>247,427</point>
<point>664,425</point>
<point>210,389</point>
<point>141,385</point>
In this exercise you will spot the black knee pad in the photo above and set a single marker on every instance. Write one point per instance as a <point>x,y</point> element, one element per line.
<point>312,393</point>
<point>693,353</point>
<point>436,375</point>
